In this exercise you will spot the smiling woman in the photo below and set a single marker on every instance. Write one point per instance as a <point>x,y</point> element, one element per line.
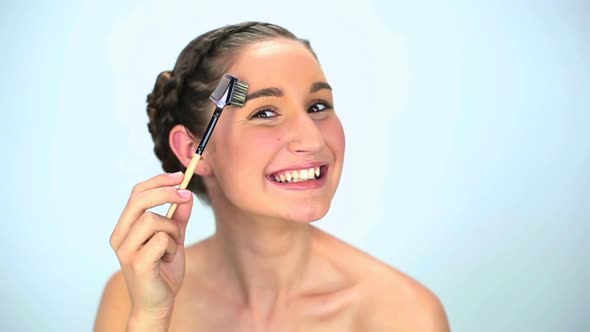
<point>271,168</point>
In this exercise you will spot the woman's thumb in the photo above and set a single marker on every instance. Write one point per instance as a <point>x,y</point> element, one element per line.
<point>182,216</point>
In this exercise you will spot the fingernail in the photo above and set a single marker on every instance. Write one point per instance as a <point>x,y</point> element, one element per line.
<point>184,193</point>
<point>175,175</point>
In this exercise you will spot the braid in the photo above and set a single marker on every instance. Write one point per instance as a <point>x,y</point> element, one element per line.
<point>161,104</point>
<point>181,96</point>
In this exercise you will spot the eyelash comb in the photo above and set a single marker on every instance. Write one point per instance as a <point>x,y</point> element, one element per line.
<point>229,91</point>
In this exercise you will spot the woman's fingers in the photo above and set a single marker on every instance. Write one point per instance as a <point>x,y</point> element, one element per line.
<point>145,228</point>
<point>161,180</point>
<point>148,258</point>
<point>171,250</point>
<point>139,202</point>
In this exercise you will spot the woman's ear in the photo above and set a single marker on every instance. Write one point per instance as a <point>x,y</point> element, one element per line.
<point>184,146</point>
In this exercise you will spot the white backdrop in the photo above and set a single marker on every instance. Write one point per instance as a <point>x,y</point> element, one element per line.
<point>467,162</point>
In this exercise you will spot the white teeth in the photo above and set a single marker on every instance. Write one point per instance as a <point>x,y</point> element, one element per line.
<point>298,176</point>
<point>303,174</point>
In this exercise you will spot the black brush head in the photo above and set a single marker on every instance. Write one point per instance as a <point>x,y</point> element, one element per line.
<point>229,91</point>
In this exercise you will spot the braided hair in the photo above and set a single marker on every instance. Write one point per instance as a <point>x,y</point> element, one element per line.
<point>181,96</point>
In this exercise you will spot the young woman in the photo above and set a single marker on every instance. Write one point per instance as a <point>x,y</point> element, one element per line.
<point>270,170</point>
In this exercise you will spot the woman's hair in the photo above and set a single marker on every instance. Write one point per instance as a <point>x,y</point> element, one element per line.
<point>181,96</point>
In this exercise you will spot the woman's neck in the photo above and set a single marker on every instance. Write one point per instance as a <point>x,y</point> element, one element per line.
<point>263,259</point>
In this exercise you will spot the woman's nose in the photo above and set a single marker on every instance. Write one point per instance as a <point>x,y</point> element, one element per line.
<point>304,134</point>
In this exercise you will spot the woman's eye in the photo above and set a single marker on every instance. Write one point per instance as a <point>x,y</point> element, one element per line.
<point>319,107</point>
<point>264,114</point>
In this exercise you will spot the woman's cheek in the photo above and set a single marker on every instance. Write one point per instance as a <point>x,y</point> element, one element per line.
<point>334,133</point>
<point>265,141</point>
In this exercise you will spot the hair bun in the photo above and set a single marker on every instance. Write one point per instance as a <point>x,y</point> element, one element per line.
<point>163,100</point>
<point>161,109</point>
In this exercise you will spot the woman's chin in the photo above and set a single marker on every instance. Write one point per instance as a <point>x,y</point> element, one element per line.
<point>306,214</point>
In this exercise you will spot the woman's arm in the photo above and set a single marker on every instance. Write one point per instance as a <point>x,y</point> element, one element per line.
<point>115,306</point>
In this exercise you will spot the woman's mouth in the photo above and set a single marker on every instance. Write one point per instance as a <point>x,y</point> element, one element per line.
<point>310,174</point>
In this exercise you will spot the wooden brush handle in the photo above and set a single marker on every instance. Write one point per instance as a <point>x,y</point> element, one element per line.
<point>190,170</point>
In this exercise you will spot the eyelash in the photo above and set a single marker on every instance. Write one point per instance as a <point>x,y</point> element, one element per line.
<point>327,106</point>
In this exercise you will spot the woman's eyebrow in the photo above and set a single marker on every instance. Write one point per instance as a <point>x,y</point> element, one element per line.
<point>317,86</point>
<point>276,92</point>
<point>267,92</point>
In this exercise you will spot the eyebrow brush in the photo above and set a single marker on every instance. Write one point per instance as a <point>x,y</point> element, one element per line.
<point>229,91</point>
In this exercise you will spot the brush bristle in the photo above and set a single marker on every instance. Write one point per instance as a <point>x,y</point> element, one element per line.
<point>239,95</point>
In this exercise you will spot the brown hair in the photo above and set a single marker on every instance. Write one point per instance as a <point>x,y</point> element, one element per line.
<point>181,96</point>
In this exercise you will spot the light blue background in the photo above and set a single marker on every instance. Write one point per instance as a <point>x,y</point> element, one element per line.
<point>467,161</point>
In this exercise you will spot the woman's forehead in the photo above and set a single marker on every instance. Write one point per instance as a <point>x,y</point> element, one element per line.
<point>276,62</point>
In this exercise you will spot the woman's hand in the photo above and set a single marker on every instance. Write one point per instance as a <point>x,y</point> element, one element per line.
<point>150,247</point>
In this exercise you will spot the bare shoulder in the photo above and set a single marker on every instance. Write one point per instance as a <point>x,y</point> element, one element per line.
<point>389,300</point>
<point>400,303</point>
<point>115,305</point>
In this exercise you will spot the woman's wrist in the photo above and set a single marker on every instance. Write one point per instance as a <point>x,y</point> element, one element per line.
<point>140,322</point>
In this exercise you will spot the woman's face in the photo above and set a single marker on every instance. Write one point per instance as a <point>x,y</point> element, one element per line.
<point>286,130</point>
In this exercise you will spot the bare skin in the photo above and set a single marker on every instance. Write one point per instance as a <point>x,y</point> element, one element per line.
<point>266,268</point>
<point>348,291</point>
